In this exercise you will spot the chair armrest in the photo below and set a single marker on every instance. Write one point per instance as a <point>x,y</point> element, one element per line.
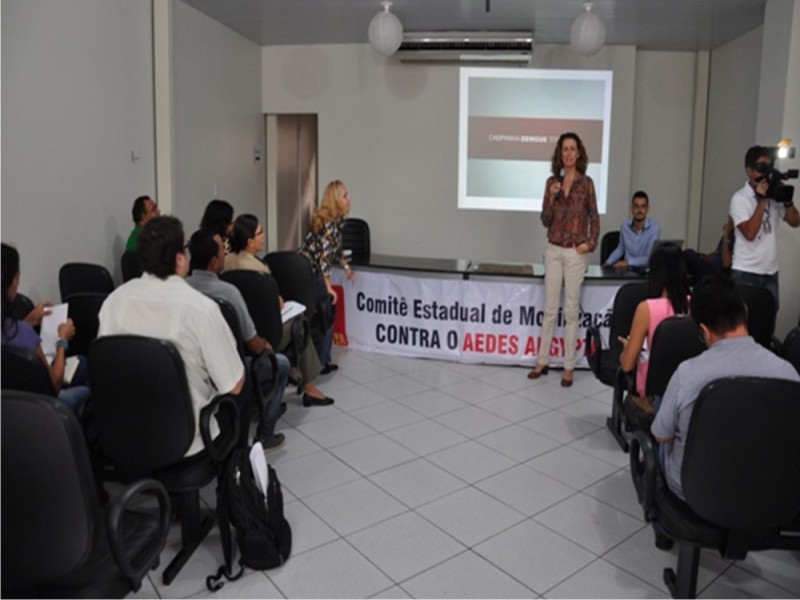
<point>301,336</point>
<point>226,410</point>
<point>644,470</point>
<point>273,363</point>
<point>135,567</point>
<point>593,353</point>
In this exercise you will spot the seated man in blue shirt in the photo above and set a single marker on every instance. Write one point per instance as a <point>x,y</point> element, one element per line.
<point>718,307</point>
<point>207,255</point>
<point>636,236</point>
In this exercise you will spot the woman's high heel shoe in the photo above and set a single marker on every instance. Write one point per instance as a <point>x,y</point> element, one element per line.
<point>535,373</point>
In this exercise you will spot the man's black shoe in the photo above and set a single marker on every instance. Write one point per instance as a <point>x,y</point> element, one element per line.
<point>273,443</point>
<point>664,542</point>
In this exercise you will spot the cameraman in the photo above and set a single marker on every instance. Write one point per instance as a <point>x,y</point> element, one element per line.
<point>756,216</point>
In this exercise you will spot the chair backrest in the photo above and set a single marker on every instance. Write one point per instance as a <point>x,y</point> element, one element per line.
<point>23,370</point>
<point>741,464</point>
<point>232,319</point>
<point>21,306</point>
<point>260,293</point>
<point>295,279</point>
<point>675,339</point>
<point>84,310</point>
<point>49,510</point>
<point>625,302</point>
<point>74,278</point>
<point>760,313</point>
<point>142,405</point>
<point>131,265</point>
<point>608,244</point>
<point>355,237</point>
<point>791,348</point>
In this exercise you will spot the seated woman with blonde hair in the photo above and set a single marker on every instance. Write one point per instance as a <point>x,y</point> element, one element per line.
<point>323,247</point>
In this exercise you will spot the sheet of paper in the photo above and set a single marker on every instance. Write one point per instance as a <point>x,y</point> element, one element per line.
<point>258,462</point>
<point>49,331</point>
<point>291,309</point>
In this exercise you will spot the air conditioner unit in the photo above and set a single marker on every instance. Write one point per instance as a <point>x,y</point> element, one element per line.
<point>466,46</point>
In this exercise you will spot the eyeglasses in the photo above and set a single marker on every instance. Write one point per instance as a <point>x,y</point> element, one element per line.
<point>185,248</point>
<point>259,232</point>
<point>767,221</point>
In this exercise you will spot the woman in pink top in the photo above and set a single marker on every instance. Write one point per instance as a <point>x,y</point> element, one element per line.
<point>669,291</point>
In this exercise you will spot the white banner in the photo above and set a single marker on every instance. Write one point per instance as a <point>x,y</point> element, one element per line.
<point>458,320</point>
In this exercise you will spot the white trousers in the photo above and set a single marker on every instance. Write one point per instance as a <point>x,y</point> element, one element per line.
<point>562,265</point>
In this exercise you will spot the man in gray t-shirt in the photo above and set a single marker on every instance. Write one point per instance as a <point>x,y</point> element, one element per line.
<point>718,307</point>
<point>207,255</point>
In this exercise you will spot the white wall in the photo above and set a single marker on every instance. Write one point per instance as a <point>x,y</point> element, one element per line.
<point>779,117</point>
<point>217,120</point>
<point>390,131</point>
<point>77,100</point>
<point>732,111</point>
<point>662,136</point>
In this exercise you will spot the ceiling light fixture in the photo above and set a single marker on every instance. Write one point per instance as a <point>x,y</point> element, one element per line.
<point>385,31</point>
<point>588,33</point>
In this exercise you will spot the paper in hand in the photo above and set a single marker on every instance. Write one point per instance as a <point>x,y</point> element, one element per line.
<point>49,331</point>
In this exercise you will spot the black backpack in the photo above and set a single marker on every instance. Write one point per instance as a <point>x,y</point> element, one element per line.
<point>263,533</point>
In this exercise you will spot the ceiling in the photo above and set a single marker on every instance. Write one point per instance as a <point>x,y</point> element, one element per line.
<point>677,25</point>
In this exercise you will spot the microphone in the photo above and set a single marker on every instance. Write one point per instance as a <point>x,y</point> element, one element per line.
<point>561,174</point>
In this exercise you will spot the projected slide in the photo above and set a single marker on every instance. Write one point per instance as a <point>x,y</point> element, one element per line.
<point>509,123</point>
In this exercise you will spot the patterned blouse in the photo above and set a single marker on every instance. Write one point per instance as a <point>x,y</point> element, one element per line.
<point>324,249</point>
<point>573,220</point>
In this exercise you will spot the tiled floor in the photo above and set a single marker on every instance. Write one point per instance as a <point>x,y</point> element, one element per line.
<point>433,479</point>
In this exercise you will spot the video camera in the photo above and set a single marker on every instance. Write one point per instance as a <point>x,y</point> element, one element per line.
<point>777,190</point>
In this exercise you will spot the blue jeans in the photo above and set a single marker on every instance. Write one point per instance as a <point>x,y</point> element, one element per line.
<point>768,281</point>
<point>270,405</point>
<point>78,390</point>
<point>324,343</point>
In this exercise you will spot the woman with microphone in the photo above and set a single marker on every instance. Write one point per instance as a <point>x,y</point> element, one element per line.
<point>569,212</point>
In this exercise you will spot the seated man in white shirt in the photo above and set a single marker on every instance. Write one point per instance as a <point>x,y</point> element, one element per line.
<point>162,305</point>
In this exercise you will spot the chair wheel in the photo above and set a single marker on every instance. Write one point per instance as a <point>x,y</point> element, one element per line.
<point>671,581</point>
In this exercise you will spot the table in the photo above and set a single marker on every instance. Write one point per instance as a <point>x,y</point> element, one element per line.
<point>462,310</point>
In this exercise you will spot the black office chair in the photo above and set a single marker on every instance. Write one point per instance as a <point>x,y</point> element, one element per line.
<point>760,314</point>
<point>57,541</point>
<point>604,362</point>
<point>21,306</point>
<point>675,340</point>
<point>260,293</point>
<point>131,265</point>
<point>84,310</point>
<point>74,278</point>
<point>740,476</point>
<point>24,371</point>
<point>355,237</point>
<point>145,421</point>
<point>608,244</point>
<point>295,279</point>
<point>791,348</point>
